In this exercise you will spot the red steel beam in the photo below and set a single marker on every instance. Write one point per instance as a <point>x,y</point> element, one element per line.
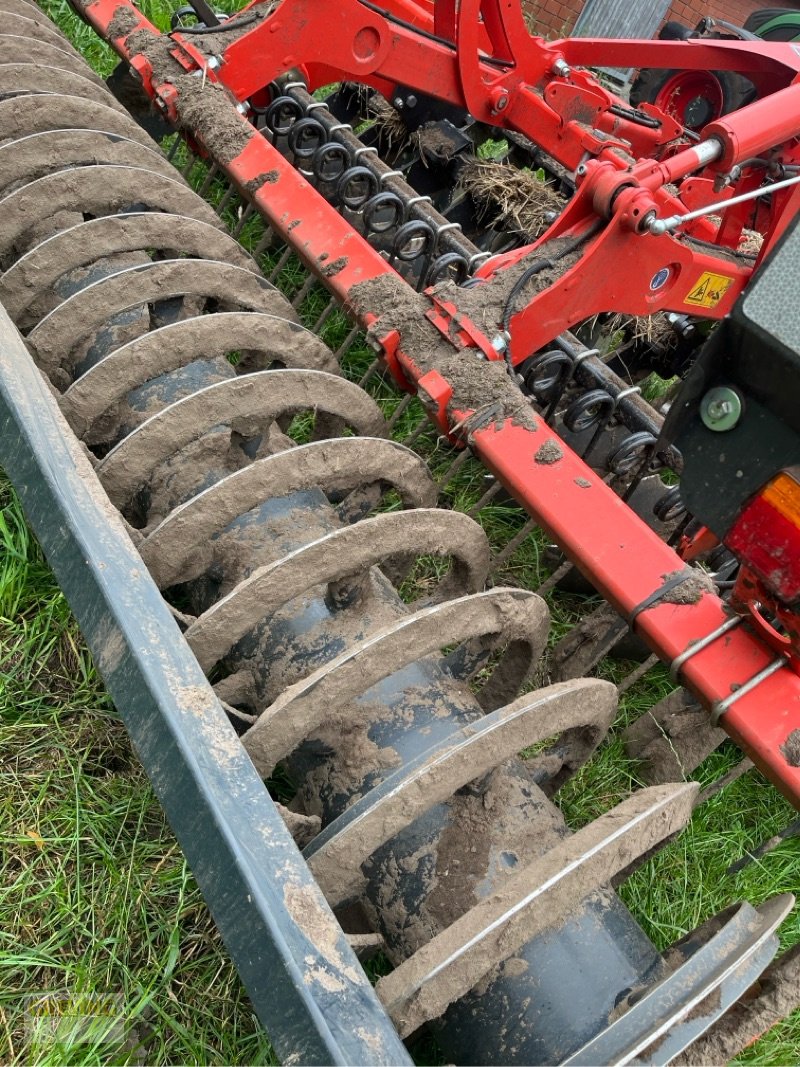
<point>626,561</point>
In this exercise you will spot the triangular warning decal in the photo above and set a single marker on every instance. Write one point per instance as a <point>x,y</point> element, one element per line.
<point>708,290</point>
<point>697,296</point>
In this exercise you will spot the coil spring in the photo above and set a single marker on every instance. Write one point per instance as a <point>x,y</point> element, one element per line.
<point>269,550</point>
<point>419,248</point>
<point>293,124</point>
<point>411,244</point>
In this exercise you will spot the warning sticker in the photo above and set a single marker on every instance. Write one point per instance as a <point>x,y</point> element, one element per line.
<point>708,290</point>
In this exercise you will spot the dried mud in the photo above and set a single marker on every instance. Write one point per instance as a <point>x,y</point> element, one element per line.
<point>548,453</point>
<point>204,108</point>
<point>123,22</point>
<point>774,997</point>
<point>690,591</point>
<point>672,738</point>
<point>478,385</point>
<point>790,749</point>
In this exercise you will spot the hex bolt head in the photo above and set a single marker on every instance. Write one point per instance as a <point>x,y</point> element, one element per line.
<point>721,409</point>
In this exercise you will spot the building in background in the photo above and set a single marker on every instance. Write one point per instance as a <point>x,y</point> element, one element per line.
<point>557,18</point>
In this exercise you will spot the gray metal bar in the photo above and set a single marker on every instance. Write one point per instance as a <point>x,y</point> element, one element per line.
<point>303,979</point>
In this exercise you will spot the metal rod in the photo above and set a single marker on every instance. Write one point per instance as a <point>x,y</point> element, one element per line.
<point>659,226</point>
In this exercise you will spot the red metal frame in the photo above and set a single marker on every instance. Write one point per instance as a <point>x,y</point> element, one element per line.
<point>503,76</point>
<point>532,87</point>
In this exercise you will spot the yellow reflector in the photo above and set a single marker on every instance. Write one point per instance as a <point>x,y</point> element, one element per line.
<point>783,494</point>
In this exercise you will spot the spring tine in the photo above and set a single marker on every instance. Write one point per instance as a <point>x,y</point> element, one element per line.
<point>227,196</point>
<point>189,164</point>
<point>487,497</point>
<point>640,472</point>
<point>266,241</point>
<point>399,411</point>
<point>513,544</point>
<point>173,148</point>
<point>679,530</point>
<point>601,428</point>
<point>553,406</point>
<point>370,373</point>
<point>422,427</point>
<point>634,676</point>
<point>792,830</point>
<point>245,215</point>
<point>284,258</point>
<point>327,311</point>
<point>211,174</point>
<point>555,578</point>
<point>742,767</point>
<point>303,291</point>
<point>461,458</point>
<point>343,348</point>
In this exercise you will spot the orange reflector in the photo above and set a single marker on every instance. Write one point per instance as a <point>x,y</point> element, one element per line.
<point>783,494</point>
<point>766,536</point>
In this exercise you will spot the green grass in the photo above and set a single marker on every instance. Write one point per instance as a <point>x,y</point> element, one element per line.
<point>95,897</point>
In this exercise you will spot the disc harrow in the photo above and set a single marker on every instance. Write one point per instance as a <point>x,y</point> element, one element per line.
<point>280,522</point>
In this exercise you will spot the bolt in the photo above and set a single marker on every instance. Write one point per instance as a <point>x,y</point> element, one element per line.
<point>561,68</point>
<point>499,100</point>
<point>580,170</point>
<point>399,103</point>
<point>411,100</point>
<point>213,63</point>
<point>500,345</point>
<point>721,409</point>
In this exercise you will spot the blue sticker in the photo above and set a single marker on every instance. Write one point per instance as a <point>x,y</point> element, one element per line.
<point>660,279</point>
